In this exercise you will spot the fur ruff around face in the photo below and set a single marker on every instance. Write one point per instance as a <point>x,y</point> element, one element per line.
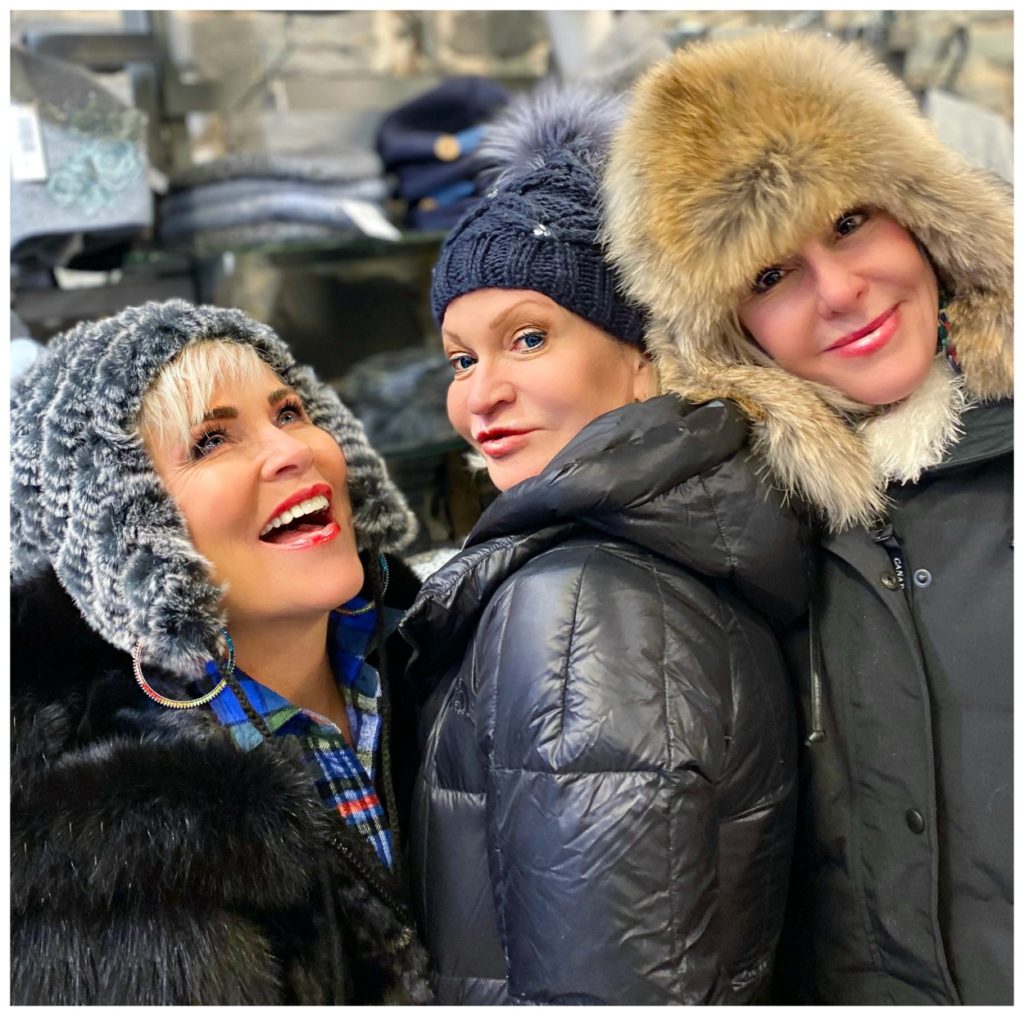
<point>732,155</point>
<point>86,500</point>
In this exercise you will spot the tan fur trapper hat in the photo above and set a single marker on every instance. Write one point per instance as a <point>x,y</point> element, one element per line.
<point>732,155</point>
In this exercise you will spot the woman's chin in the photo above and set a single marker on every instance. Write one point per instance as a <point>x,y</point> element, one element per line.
<point>306,604</point>
<point>505,474</point>
<point>503,479</point>
<point>888,391</point>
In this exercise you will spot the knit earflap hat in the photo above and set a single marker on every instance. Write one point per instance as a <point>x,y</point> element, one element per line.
<point>732,155</point>
<point>537,226</point>
<point>86,500</point>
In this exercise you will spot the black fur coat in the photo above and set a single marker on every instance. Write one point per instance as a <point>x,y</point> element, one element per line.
<point>154,863</point>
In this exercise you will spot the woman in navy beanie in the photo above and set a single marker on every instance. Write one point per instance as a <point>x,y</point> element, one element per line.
<point>604,811</point>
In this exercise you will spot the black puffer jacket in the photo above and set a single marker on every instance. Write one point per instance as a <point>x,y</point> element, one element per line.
<point>605,808</point>
<point>902,889</point>
<point>152,862</point>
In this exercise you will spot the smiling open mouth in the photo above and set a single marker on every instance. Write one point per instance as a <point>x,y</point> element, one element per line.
<point>312,516</point>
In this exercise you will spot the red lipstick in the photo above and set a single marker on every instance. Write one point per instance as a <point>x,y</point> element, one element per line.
<point>317,490</point>
<point>498,442</point>
<point>870,338</point>
<point>300,541</point>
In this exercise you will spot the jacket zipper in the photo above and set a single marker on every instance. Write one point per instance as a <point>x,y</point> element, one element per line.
<point>349,856</point>
<point>884,535</point>
<point>817,732</point>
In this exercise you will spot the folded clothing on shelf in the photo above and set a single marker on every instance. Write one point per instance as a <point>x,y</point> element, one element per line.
<point>428,144</point>
<point>400,396</point>
<point>342,167</point>
<point>253,198</point>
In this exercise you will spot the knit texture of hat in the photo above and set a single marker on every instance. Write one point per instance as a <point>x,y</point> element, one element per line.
<point>87,501</point>
<point>537,228</point>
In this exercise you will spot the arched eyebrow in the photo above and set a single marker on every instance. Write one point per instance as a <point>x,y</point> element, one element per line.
<point>230,413</point>
<point>516,307</point>
<point>282,393</point>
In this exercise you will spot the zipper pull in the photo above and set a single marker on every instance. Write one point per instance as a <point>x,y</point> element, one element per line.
<point>884,534</point>
<point>817,732</point>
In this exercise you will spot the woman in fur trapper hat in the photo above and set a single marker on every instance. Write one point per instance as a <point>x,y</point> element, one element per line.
<point>604,810</point>
<point>808,249</point>
<point>210,819</point>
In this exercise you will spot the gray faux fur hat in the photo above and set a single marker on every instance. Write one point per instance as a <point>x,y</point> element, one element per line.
<point>86,500</point>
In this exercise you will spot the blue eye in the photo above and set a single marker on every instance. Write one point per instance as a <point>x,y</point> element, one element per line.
<point>532,340</point>
<point>766,278</point>
<point>290,412</point>
<point>461,362</point>
<point>207,442</point>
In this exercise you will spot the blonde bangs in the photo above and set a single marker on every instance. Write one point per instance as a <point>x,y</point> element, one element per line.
<point>182,390</point>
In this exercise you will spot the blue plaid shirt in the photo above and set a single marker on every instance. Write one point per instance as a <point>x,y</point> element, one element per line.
<point>343,774</point>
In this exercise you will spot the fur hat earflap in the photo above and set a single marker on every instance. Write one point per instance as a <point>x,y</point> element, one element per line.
<point>732,155</point>
<point>537,226</point>
<point>86,500</point>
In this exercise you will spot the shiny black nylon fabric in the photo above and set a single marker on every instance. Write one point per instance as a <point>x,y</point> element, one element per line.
<point>918,717</point>
<point>605,809</point>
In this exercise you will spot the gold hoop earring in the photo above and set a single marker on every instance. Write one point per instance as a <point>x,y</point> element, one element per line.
<point>369,606</point>
<point>170,703</point>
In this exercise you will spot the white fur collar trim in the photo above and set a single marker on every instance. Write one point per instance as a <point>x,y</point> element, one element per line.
<point>917,432</point>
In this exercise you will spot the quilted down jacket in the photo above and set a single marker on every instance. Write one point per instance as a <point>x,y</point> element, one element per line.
<point>604,813</point>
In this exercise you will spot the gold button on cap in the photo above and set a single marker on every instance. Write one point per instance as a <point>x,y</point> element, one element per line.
<point>447,147</point>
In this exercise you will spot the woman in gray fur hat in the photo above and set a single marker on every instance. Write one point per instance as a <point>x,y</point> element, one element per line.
<point>201,809</point>
<point>809,249</point>
<point>604,809</point>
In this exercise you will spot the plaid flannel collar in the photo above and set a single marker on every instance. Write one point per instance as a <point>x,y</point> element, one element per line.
<point>348,642</point>
<point>343,774</point>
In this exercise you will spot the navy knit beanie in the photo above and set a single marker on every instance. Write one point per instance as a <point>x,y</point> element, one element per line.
<point>538,226</point>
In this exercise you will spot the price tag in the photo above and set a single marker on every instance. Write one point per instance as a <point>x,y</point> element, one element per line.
<point>28,160</point>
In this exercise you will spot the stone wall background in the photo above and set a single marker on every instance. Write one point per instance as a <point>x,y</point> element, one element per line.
<point>286,77</point>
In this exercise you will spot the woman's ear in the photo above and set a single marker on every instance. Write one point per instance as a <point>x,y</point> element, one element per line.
<point>645,377</point>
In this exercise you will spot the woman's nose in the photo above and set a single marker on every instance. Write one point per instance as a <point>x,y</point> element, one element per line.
<point>840,287</point>
<point>284,452</point>
<point>488,388</point>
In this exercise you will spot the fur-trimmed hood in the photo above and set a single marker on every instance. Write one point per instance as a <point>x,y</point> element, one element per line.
<point>734,153</point>
<point>86,500</point>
